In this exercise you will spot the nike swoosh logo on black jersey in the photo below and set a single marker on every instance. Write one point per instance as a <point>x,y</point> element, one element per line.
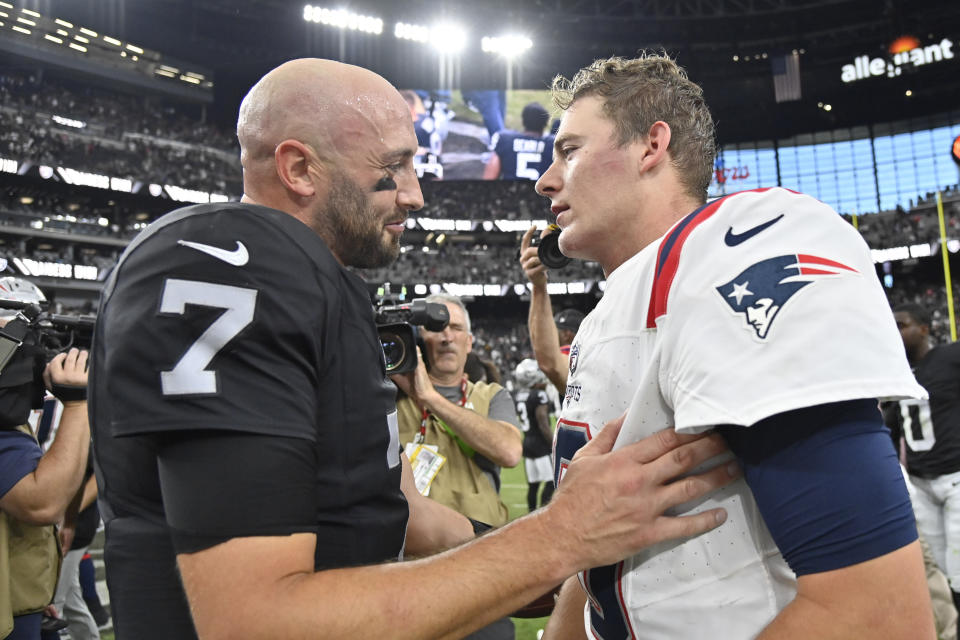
<point>733,239</point>
<point>238,257</point>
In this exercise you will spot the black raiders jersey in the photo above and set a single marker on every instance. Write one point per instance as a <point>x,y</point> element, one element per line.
<point>237,317</point>
<point>931,428</point>
<point>522,156</point>
<point>535,444</point>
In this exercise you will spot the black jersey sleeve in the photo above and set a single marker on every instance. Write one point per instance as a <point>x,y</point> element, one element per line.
<point>220,485</point>
<point>217,320</point>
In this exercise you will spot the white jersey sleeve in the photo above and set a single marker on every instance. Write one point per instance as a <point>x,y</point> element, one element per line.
<point>772,304</point>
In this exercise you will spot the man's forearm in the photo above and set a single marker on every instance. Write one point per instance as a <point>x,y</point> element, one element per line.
<point>566,621</point>
<point>431,526</point>
<point>89,494</point>
<point>493,575</point>
<point>610,504</point>
<point>544,338</point>
<point>499,441</point>
<point>885,598</point>
<point>43,495</point>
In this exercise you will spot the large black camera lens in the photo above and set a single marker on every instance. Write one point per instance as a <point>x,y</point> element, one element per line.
<point>394,350</point>
<point>549,251</point>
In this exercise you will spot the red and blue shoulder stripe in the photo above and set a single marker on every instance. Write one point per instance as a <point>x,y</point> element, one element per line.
<point>668,258</point>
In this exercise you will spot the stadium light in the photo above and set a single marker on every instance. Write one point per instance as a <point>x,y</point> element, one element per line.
<point>448,38</point>
<point>343,19</point>
<point>445,38</point>
<point>414,32</point>
<point>508,46</point>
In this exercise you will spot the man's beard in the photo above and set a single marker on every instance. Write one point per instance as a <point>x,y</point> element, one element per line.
<point>353,229</point>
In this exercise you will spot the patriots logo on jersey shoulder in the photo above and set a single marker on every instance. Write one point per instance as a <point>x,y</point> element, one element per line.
<point>761,290</point>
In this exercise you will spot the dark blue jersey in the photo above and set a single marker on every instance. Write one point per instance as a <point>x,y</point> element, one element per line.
<point>523,156</point>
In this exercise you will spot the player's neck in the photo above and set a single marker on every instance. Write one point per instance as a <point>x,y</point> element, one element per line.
<point>650,224</point>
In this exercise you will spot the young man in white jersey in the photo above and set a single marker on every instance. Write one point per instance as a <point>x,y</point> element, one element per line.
<point>759,315</point>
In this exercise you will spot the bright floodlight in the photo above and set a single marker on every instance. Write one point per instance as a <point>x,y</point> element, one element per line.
<point>448,38</point>
<point>343,19</point>
<point>509,46</point>
<point>415,32</point>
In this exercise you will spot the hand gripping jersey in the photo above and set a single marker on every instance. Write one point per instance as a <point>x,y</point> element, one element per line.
<point>237,318</point>
<point>755,304</point>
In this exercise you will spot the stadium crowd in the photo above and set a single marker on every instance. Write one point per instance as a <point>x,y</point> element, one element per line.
<point>469,264</point>
<point>119,136</point>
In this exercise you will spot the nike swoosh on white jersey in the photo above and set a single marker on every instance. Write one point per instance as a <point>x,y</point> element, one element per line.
<point>238,257</point>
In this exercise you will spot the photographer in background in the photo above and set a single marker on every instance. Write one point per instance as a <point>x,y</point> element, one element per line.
<point>550,336</point>
<point>35,488</point>
<point>472,427</point>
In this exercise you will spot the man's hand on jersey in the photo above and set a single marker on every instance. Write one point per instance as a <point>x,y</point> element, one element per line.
<point>416,383</point>
<point>66,375</point>
<point>535,271</point>
<point>611,504</point>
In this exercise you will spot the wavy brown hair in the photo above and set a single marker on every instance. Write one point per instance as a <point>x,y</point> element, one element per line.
<point>640,91</point>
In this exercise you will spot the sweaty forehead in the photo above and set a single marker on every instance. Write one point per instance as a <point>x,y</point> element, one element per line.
<point>374,121</point>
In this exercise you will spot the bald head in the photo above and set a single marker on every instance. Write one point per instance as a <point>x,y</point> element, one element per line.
<point>321,103</point>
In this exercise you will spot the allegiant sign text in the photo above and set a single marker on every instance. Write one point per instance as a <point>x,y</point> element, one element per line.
<point>864,67</point>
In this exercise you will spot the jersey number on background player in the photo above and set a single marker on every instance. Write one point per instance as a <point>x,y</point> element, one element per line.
<point>189,375</point>
<point>917,425</point>
<point>523,170</point>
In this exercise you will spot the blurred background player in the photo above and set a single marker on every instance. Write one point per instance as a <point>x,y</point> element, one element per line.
<point>521,155</point>
<point>931,431</point>
<point>535,408</point>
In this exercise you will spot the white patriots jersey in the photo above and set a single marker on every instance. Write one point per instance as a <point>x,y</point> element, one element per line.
<point>755,304</point>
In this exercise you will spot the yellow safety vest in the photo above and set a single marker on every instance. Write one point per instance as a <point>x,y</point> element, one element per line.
<point>460,484</point>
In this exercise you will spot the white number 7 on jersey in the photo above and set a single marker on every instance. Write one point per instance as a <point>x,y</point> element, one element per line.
<point>189,375</point>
